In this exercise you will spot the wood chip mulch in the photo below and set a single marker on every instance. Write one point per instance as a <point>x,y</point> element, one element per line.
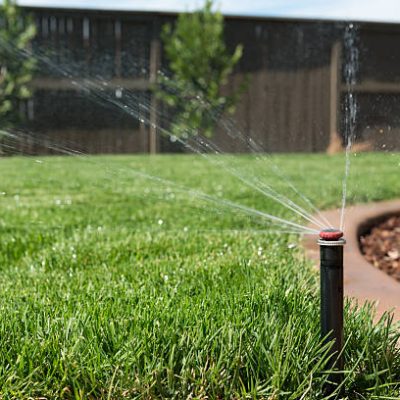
<point>381,247</point>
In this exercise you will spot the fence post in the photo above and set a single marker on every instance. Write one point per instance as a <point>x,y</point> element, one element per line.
<point>335,141</point>
<point>155,60</point>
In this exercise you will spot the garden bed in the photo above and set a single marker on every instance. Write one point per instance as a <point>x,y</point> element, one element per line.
<point>381,246</point>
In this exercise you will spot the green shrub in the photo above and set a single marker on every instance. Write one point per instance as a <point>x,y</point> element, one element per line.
<point>200,65</point>
<point>16,33</point>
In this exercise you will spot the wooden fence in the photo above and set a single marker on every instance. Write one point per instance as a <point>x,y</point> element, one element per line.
<point>293,102</point>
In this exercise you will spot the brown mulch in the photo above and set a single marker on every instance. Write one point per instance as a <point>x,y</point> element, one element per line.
<point>381,246</point>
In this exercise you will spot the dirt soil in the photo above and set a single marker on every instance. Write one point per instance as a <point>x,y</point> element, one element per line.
<point>381,246</point>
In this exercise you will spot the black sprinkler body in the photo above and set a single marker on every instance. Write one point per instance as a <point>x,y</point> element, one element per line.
<point>331,244</point>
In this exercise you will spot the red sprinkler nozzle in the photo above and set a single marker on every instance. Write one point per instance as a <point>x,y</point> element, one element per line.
<point>330,234</point>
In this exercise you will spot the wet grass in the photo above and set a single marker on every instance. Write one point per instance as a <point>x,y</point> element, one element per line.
<point>116,286</point>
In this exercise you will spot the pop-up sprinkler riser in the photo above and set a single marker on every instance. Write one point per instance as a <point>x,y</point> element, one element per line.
<point>331,244</point>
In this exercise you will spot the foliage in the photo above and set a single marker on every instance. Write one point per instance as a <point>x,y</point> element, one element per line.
<point>116,288</point>
<point>16,69</point>
<point>200,65</point>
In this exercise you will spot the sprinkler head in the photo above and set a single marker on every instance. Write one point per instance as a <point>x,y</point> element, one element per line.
<point>331,234</point>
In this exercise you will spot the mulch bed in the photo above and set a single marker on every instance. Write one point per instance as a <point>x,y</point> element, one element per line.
<point>381,246</point>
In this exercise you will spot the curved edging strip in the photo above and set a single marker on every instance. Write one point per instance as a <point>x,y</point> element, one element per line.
<point>362,281</point>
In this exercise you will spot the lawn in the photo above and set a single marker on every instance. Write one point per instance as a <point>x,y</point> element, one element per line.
<point>119,285</point>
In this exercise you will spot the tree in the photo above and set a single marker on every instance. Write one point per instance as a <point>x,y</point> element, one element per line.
<point>200,65</point>
<point>16,68</point>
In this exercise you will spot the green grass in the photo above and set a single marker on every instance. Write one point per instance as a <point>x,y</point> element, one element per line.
<point>116,286</point>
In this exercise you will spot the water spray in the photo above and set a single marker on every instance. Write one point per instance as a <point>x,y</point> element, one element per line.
<point>331,244</point>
